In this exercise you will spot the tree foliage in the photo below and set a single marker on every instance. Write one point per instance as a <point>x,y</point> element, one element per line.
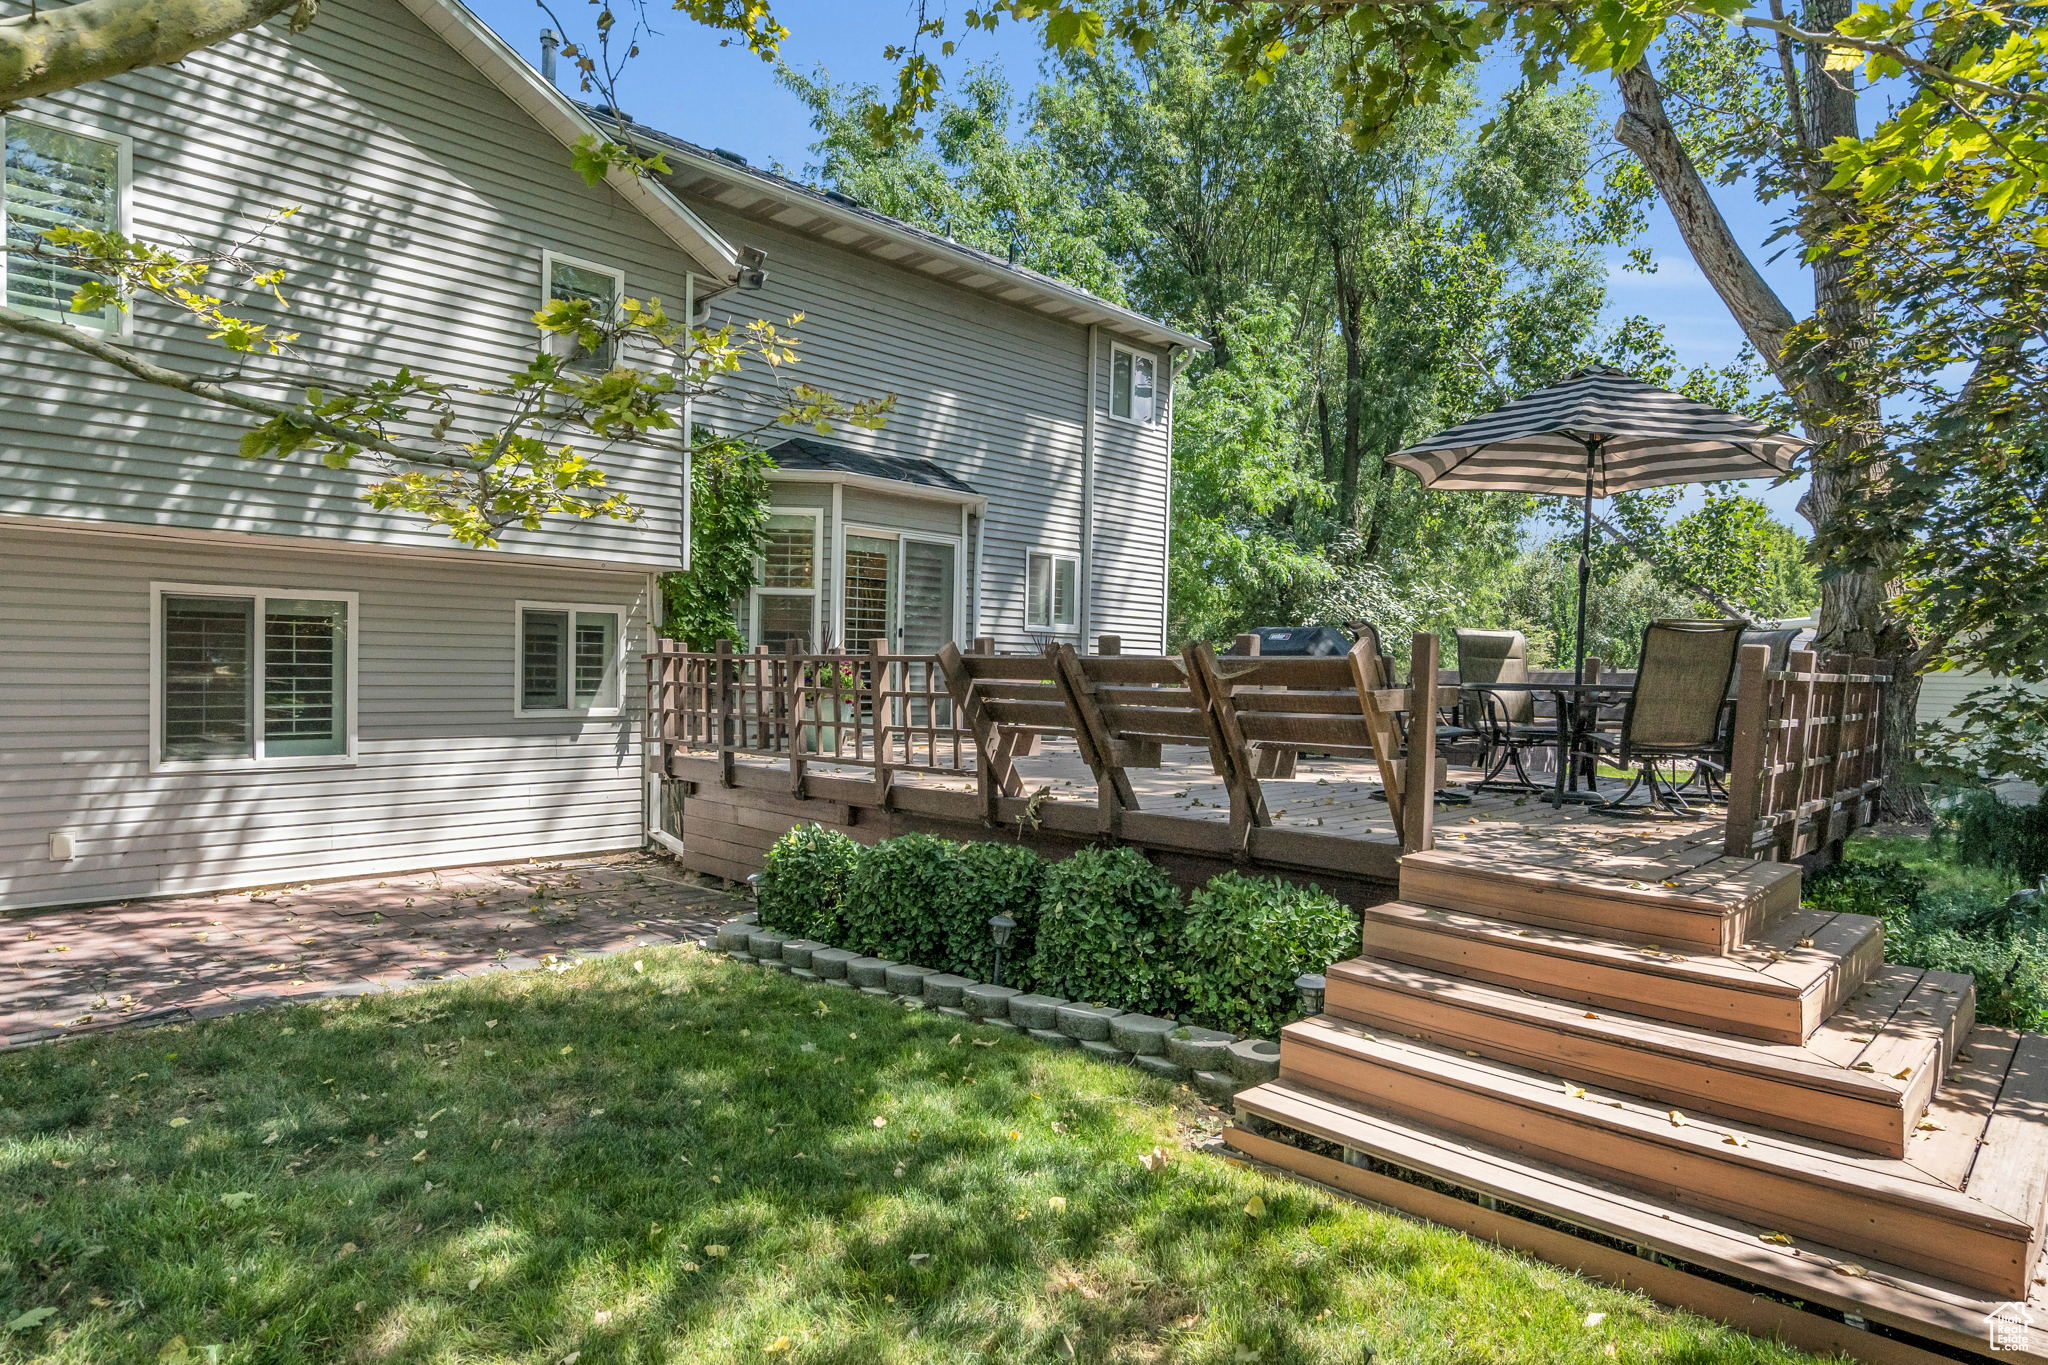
<point>728,527</point>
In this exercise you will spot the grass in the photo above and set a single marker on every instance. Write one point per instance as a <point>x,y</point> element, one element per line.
<point>670,1157</point>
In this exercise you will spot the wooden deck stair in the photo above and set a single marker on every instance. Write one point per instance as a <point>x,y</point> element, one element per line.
<point>1697,1044</point>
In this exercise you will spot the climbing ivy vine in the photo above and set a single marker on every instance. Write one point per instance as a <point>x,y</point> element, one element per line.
<point>728,526</point>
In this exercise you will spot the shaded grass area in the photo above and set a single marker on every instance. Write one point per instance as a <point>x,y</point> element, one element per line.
<point>669,1157</point>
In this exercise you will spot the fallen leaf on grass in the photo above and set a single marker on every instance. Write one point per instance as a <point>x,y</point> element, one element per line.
<point>180,1121</point>
<point>715,1250</point>
<point>34,1317</point>
<point>1594,1319</point>
<point>1255,1207</point>
<point>777,1346</point>
<point>1154,1159</point>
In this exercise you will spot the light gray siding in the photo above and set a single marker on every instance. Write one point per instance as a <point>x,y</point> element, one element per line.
<point>1133,474</point>
<point>995,393</point>
<point>444,772</point>
<point>425,197</point>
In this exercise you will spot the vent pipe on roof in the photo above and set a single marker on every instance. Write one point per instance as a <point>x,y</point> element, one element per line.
<point>550,43</point>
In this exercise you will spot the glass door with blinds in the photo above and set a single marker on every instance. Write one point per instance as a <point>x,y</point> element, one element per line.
<point>901,588</point>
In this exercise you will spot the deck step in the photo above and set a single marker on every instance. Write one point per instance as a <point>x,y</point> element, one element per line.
<point>1870,1205</point>
<point>1714,906</point>
<point>1861,1089</point>
<point>1800,1268</point>
<point>1779,988</point>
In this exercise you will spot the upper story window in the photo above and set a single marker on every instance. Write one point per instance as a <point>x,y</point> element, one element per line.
<point>1052,598</point>
<point>55,177</point>
<point>568,278</point>
<point>1131,386</point>
<point>785,601</point>
<point>569,659</point>
<point>253,677</point>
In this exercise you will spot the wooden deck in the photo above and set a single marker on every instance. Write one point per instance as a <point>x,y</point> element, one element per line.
<point>1625,1025</point>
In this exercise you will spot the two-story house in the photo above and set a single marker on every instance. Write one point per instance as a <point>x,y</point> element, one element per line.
<point>218,673</point>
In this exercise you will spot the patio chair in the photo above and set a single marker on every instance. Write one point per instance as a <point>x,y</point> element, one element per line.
<point>1506,722</point>
<point>1675,712</point>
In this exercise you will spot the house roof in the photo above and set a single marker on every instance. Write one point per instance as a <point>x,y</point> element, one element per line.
<point>700,172</point>
<point>569,123</point>
<point>802,455</point>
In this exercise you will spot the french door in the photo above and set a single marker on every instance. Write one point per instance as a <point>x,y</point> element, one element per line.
<point>901,588</point>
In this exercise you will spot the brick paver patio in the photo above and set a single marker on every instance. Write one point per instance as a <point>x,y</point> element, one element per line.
<point>72,971</point>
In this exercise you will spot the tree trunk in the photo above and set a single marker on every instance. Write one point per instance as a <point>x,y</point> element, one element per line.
<point>1855,616</point>
<point>72,45</point>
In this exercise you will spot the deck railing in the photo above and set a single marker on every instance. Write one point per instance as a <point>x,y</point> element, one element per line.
<point>1807,762</point>
<point>878,711</point>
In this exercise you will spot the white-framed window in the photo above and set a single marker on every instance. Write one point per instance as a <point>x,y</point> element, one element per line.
<point>566,277</point>
<point>246,677</point>
<point>54,174</point>
<point>1132,387</point>
<point>569,661</point>
<point>784,603</point>
<point>1052,591</point>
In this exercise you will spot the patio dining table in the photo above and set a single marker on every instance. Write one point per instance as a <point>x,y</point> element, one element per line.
<point>1578,714</point>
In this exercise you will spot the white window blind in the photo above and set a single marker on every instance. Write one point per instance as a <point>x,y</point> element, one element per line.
<point>568,659</point>
<point>54,178</point>
<point>222,653</point>
<point>785,601</point>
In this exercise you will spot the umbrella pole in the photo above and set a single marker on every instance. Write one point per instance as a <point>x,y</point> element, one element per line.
<point>1585,565</point>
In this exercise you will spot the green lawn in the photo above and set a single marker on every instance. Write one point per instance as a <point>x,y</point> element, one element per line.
<point>675,1158</point>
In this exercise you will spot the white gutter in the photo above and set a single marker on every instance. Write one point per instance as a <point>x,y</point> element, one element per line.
<point>558,114</point>
<point>1174,355</point>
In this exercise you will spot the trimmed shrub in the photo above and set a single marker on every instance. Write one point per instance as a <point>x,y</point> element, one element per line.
<point>1244,942</point>
<point>995,879</point>
<point>1108,929</point>
<point>892,899</point>
<point>803,882</point>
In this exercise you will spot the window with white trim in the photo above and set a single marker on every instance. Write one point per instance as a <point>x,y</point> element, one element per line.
<point>568,278</point>
<point>258,677</point>
<point>1052,597</point>
<point>55,177</point>
<point>785,600</point>
<point>569,659</point>
<point>1131,387</point>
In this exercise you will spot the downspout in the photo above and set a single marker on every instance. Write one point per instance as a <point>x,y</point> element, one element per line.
<point>1086,587</point>
<point>657,610</point>
<point>1174,355</point>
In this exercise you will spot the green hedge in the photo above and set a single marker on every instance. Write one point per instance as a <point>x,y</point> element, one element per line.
<point>1108,929</point>
<point>1245,941</point>
<point>926,900</point>
<point>1101,926</point>
<point>803,883</point>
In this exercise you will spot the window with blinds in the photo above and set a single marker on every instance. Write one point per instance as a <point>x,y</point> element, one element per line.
<point>568,659</point>
<point>1052,599</point>
<point>785,600</point>
<point>54,178</point>
<point>569,279</point>
<point>252,678</point>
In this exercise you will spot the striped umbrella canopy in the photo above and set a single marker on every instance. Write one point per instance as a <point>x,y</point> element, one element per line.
<point>1595,433</point>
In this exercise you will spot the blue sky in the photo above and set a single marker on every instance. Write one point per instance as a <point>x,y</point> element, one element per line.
<point>685,83</point>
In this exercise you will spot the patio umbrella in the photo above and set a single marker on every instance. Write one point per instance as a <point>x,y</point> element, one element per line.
<point>1594,433</point>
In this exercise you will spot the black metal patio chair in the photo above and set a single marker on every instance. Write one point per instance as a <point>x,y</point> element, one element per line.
<point>1675,712</point>
<point>1506,722</point>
